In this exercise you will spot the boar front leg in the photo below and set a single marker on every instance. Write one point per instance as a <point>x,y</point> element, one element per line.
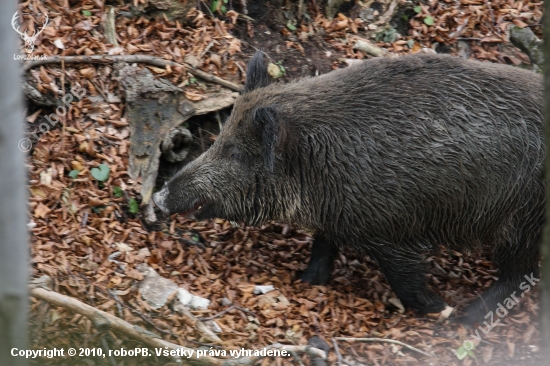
<point>321,263</point>
<point>405,270</point>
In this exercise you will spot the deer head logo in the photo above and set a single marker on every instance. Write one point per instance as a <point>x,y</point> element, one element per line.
<point>29,40</point>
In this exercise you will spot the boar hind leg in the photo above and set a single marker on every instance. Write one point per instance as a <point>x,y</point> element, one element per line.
<point>321,263</point>
<point>517,258</point>
<point>405,270</point>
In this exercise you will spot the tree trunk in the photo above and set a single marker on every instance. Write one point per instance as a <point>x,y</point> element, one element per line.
<point>545,250</point>
<point>14,246</point>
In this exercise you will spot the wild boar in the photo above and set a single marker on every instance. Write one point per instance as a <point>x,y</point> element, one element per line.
<point>391,158</point>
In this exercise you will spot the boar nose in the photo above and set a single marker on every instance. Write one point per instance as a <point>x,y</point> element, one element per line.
<point>159,200</point>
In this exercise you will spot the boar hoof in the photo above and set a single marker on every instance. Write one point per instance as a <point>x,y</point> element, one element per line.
<point>315,275</point>
<point>426,302</point>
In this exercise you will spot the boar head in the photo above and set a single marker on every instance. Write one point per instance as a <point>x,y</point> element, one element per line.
<point>240,178</point>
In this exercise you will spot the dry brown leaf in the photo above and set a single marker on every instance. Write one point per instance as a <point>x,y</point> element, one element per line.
<point>85,25</point>
<point>194,96</point>
<point>234,46</point>
<point>94,202</point>
<point>233,15</point>
<point>41,211</point>
<point>88,72</point>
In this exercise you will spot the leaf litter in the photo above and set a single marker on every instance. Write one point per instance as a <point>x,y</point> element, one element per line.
<point>87,234</point>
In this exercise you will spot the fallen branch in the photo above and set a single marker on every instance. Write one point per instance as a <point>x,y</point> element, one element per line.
<point>145,59</point>
<point>104,320</point>
<point>117,324</point>
<point>384,340</point>
<point>337,351</point>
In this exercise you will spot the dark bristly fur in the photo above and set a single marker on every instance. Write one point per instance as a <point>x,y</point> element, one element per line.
<point>391,158</point>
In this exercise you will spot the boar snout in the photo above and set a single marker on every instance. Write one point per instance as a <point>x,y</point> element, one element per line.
<point>173,198</point>
<point>159,199</point>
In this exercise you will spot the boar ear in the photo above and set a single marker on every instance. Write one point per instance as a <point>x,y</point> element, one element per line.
<point>256,73</point>
<point>266,119</point>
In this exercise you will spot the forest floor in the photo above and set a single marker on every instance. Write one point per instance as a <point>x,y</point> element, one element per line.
<point>88,234</point>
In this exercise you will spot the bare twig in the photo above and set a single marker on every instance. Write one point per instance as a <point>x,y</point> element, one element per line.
<point>206,49</point>
<point>196,323</point>
<point>146,59</point>
<point>461,28</point>
<point>301,9</point>
<point>227,310</point>
<point>245,17</point>
<point>204,344</point>
<point>106,350</point>
<point>214,20</point>
<point>99,90</point>
<point>337,351</point>
<point>246,311</point>
<point>241,69</point>
<point>64,117</point>
<point>492,14</point>
<point>84,219</point>
<point>118,302</point>
<point>219,314</point>
<point>384,340</point>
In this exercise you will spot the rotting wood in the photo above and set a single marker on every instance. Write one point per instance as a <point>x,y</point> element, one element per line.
<point>176,146</point>
<point>153,108</point>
